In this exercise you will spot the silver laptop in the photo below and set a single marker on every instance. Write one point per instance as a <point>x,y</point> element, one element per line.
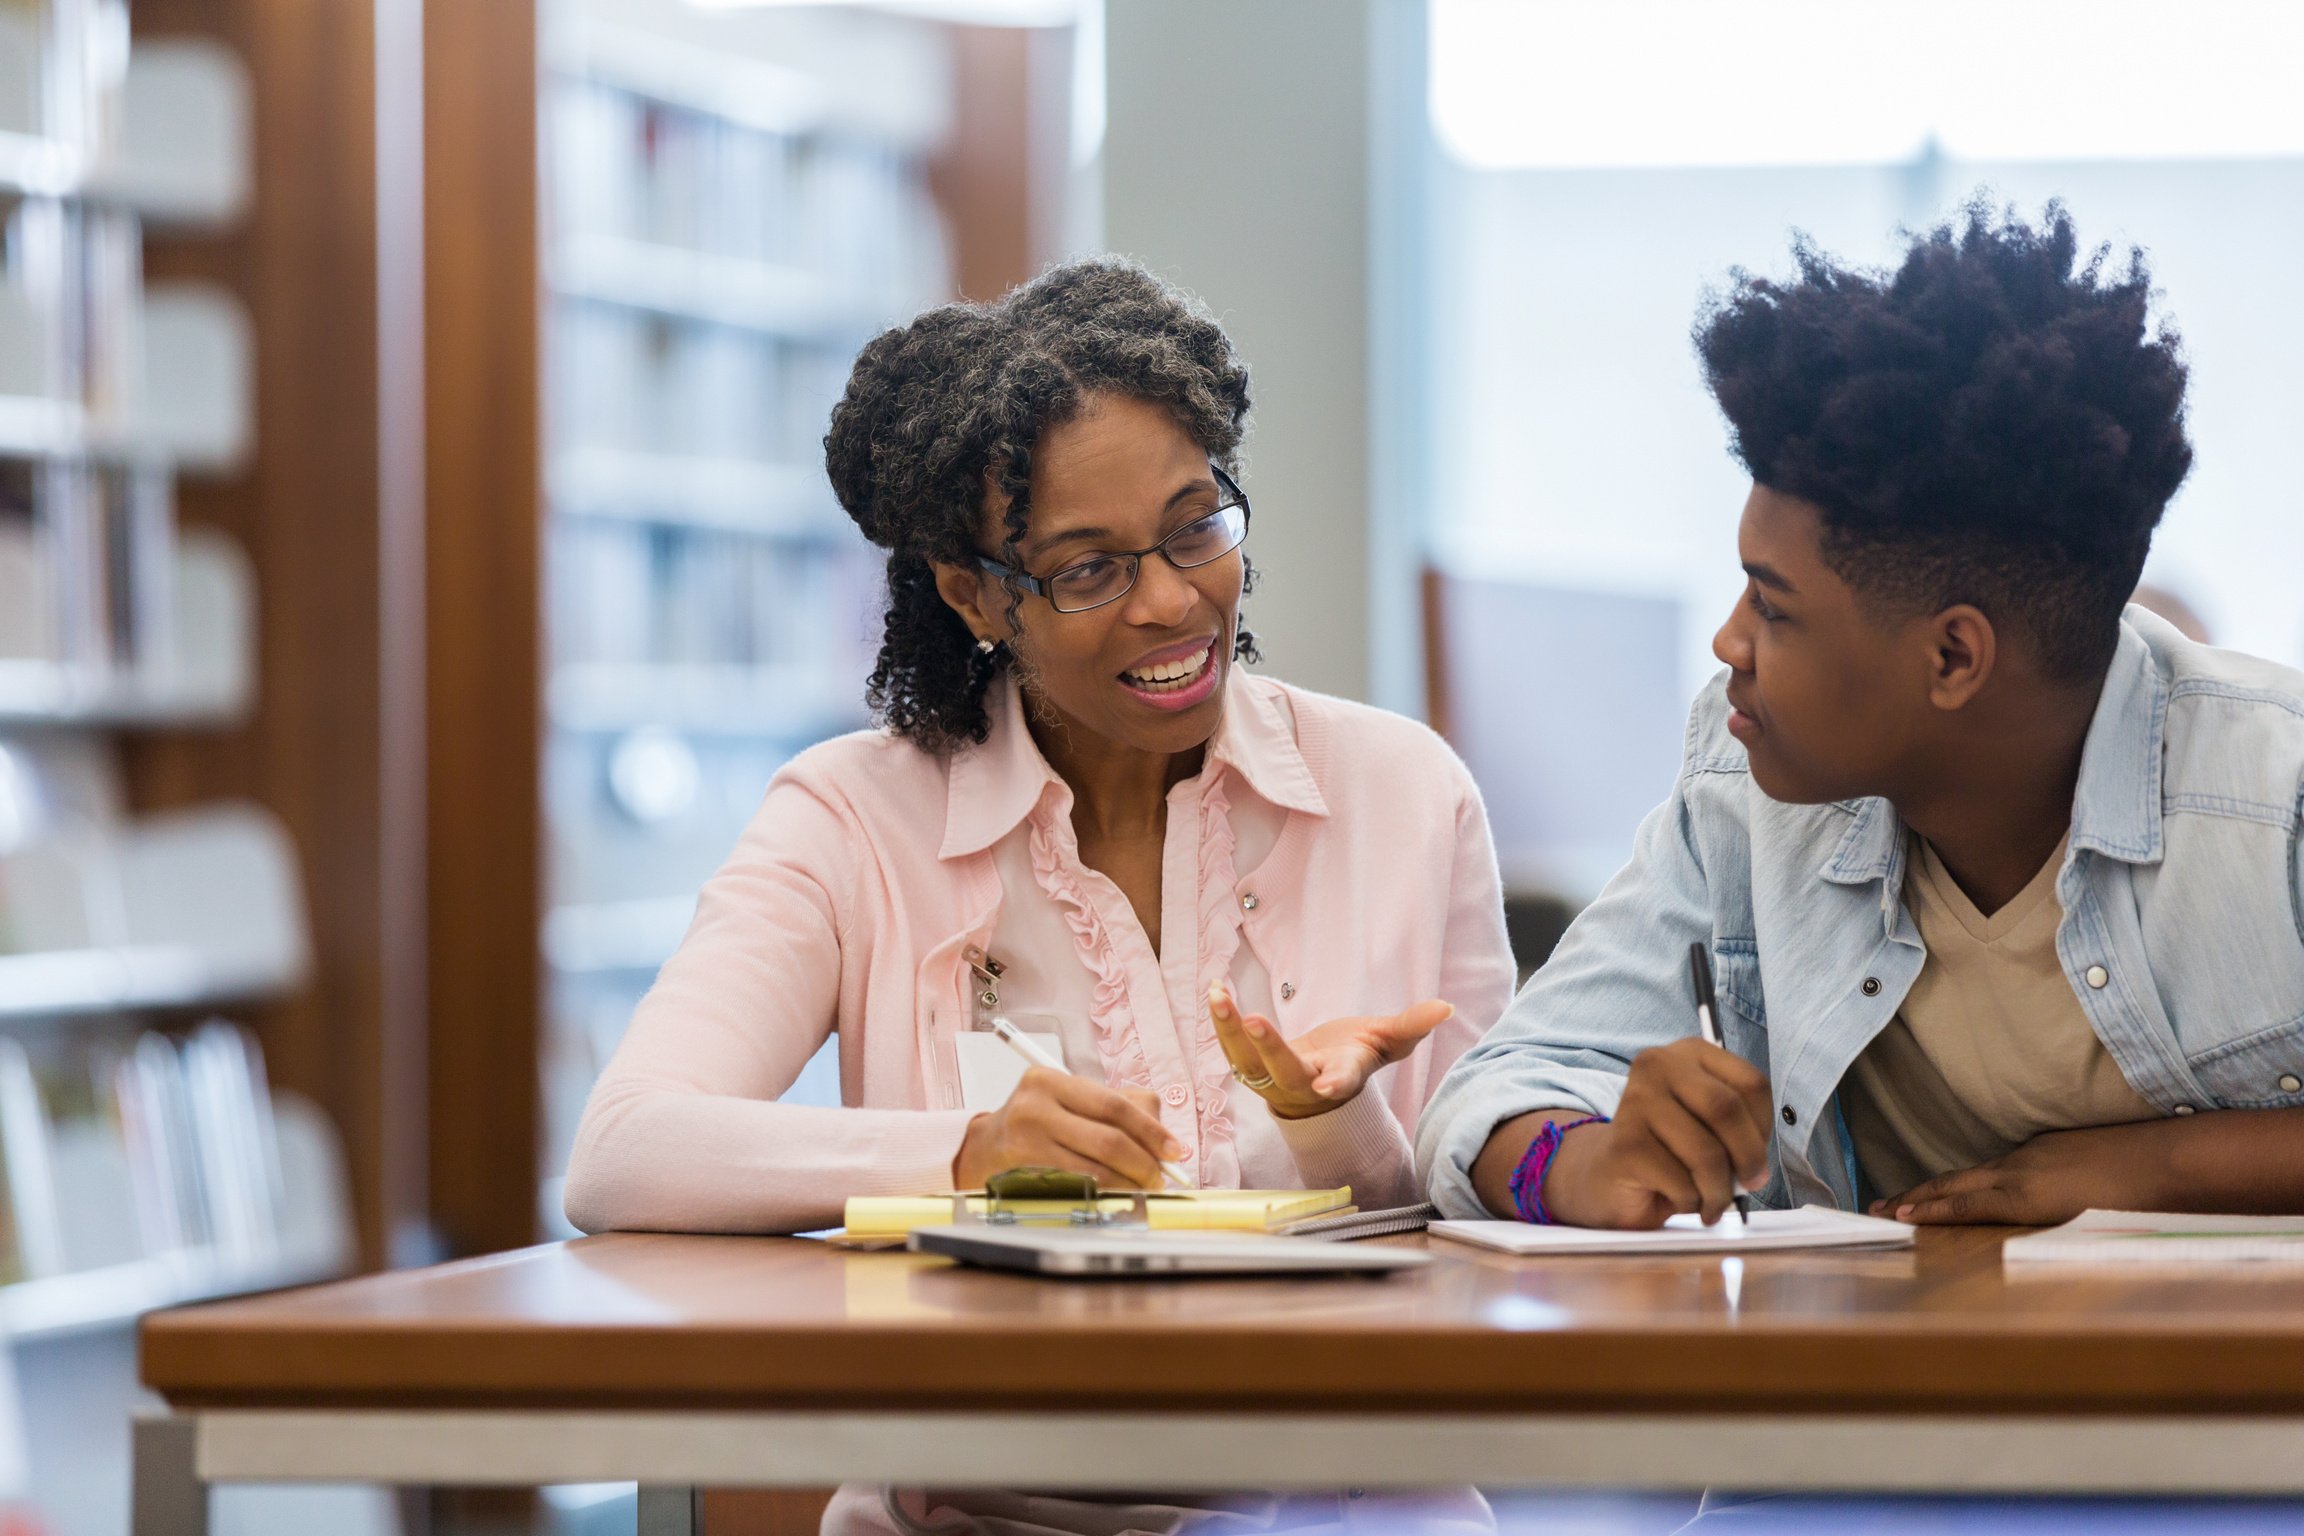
<point>1134,1251</point>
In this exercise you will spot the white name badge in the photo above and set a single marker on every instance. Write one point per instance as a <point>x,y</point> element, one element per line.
<point>990,1070</point>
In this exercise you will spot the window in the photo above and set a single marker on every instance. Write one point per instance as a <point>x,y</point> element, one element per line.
<point>1595,167</point>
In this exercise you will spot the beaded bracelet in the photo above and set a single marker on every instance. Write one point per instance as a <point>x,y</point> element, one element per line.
<point>1528,1178</point>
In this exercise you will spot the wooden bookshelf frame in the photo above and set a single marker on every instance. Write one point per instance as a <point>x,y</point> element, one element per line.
<point>483,568</point>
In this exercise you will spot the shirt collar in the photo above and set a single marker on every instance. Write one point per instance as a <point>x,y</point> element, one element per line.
<point>993,785</point>
<point>2115,805</point>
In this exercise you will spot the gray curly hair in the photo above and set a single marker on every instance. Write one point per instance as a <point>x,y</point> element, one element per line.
<point>964,393</point>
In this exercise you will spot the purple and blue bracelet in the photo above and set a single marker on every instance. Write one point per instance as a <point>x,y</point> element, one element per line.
<point>1528,1178</point>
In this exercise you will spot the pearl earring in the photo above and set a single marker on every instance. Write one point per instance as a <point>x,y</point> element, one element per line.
<point>986,646</point>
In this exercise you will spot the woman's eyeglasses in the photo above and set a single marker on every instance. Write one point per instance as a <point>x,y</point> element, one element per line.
<point>1107,578</point>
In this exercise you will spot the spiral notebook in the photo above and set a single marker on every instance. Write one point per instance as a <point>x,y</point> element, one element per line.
<point>1350,1225</point>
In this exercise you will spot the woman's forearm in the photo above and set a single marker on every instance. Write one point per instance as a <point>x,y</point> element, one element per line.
<point>662,1158</point>
<point>1360,1144</point>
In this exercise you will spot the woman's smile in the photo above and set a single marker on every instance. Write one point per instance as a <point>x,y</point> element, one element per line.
<point>1176,677</point>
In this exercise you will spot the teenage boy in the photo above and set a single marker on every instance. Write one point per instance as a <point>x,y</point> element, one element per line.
<point>2001,884</point>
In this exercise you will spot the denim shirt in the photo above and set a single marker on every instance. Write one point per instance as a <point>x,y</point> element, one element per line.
<point>2182,935</point>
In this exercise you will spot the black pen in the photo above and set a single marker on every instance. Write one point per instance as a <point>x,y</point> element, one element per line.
<point>1708,1020</point>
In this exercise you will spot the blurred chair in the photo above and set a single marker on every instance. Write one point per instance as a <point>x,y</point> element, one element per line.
<point>2171,606</point>
<point>1569,709</point>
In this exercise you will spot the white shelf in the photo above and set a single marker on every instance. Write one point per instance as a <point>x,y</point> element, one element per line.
<point>37,167</point>
<point>736,495</point>
<point>786,702</point>
<point>697,285</point>
<point>752,70</point>
<point>59,1305</point>
<point>37,427</point>
<point>32,427</point>
<point>46,693</point>
<point>598,937</point>
<point>66,982</point>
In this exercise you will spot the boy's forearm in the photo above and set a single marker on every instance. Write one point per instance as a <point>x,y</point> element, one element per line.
<point>2240,1161</point>
<point>2237,1160</point>
<point>1507,1144</point>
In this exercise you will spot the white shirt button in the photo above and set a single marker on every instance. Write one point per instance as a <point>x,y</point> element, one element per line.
<point>2097,976</point>
<point>2291,1083</point>
<point>2183,1109</point>
<point>1248,902</point>
<point>1176,1094</point>
<point>1287,990</point>
<point>1184,1156</point>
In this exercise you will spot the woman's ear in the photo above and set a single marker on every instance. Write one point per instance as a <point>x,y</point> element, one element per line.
<point>963,592</point>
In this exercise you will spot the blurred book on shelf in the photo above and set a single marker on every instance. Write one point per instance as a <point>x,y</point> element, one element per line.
<point>100,911</point>
<point>145,1168</point>
<point>139,1166</point>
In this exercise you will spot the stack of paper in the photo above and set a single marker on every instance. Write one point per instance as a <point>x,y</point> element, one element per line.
<point>2146,1237</point>
<point>1811,1226</point>
<point>1171,1210</point>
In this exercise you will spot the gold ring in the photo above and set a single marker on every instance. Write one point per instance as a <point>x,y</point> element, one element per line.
<point>1252,1084</point>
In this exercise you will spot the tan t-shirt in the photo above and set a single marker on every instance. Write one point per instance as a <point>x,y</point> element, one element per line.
<point>1991,1047</point>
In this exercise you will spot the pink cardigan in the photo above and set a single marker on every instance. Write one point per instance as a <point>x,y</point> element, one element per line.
<point>869,871</point>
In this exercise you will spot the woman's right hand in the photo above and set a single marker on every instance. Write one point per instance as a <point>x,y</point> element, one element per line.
<point>1054,1120</point>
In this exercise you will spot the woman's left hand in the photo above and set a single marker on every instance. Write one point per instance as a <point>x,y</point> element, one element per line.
<point>1321,1068</point>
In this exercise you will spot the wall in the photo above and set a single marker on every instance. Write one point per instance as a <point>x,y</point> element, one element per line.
<point>1577,446</point>
<point>1236,163</point>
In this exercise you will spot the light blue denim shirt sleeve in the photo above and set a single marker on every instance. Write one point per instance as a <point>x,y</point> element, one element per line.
<point>1617,984</point>
<point>2182,935</point>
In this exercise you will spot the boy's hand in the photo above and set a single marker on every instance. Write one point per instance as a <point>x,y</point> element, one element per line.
<point>1691,1130</point>
<point>2053,1178</point>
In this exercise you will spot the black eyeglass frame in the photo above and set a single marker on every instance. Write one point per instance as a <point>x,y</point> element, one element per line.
<point>1230,496</point>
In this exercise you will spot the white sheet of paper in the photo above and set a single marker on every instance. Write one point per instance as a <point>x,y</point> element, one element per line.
<point>2159,1238</point>
<point>1811,1226</point>
<point>990,1071</point>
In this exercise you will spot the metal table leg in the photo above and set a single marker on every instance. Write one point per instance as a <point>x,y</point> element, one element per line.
<point>664,1511</point>
<point>169,1498</point>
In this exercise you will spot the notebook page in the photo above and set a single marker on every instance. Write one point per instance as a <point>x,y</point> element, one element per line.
<point>2151,1237</point>
<point>1811,1226</point>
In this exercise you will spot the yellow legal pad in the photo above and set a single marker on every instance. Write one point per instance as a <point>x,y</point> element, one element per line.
<point>1169,1210</point>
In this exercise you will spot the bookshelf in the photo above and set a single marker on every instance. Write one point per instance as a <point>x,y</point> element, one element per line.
<point>733,203</point>
<point>145,1157</point>
<point>647,273</point>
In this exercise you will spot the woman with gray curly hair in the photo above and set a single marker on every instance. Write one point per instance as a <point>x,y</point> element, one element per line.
<point>1257,924</point>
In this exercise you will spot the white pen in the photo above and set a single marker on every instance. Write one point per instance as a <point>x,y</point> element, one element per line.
<point>1028,1048</point>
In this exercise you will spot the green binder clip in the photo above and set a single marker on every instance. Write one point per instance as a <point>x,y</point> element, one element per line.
<point>1050,1197</point>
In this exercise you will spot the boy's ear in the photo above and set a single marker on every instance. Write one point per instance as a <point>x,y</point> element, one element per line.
<point>963,590</point>
<point>1963,650</point>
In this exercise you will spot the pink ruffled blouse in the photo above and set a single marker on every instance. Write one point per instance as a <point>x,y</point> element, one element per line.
<point>1329,859</point>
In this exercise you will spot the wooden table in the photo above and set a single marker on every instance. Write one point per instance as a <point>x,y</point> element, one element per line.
<point>763,1362</point>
